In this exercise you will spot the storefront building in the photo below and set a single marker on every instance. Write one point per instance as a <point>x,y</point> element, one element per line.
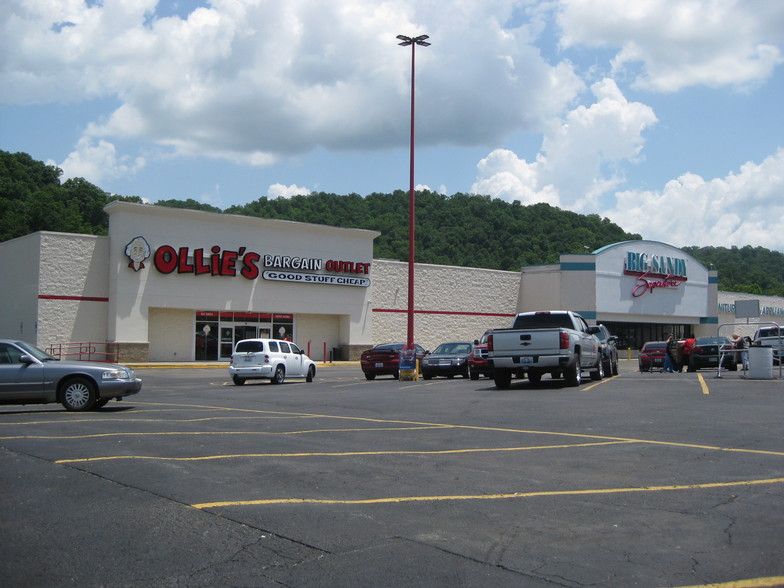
<point>169,284</point>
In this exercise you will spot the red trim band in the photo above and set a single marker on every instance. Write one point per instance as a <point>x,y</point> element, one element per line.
<point>78,298</point>
<point>444,312</point>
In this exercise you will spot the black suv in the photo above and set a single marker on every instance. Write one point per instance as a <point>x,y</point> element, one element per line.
<point>609,350</point>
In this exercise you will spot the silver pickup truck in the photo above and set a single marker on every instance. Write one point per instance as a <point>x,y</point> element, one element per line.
<point>558,342</point>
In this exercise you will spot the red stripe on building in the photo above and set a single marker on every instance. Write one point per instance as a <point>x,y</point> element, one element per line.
<point>403,311</point>
<point>78,298</point>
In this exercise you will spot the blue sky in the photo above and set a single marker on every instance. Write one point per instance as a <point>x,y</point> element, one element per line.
<point>663,115</point>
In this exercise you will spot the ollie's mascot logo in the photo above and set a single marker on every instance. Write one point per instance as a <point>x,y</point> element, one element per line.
<point>137,251</point>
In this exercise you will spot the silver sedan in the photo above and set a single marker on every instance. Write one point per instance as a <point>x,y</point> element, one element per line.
<point>31,376</point>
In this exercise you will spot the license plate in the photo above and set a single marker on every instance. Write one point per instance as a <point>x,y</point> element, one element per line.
<point>248,359</point>
<point>379,365</point>
<point>447,362</point>
<point>526,360</point>
<point>657,361</point>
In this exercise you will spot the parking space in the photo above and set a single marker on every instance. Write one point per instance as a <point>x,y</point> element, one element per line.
<point>637,480</point>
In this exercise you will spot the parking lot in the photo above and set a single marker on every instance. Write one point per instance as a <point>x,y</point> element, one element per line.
<point>646,480</point>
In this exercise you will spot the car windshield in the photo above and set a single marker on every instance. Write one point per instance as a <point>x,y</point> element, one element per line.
<point>650,346</point>
<point>35,352</point>
<point>455,348</point>
<point>712,341</point>
<point>769,332</point>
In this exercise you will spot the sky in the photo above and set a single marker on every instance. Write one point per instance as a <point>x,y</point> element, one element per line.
<point>665,116</point>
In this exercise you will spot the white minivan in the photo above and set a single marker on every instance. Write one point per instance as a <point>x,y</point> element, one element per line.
<point>269,359</point>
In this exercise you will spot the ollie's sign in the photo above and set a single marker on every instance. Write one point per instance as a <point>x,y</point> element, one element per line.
<point>249,264</point>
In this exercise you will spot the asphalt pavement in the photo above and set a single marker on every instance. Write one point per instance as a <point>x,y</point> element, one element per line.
<point>646,480</point>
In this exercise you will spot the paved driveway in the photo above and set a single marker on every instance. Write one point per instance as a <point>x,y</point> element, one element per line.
<point>638,480</point>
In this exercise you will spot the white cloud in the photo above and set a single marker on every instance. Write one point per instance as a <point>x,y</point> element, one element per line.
<point>569,171</point>
<point>252,82</point>
<point>668,45</point>
<point>741,208</point>
<point>282,191</point>
<point>98,162</point>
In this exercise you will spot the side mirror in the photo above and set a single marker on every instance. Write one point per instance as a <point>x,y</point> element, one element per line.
<point>26,359</point>
<point>594,330</point>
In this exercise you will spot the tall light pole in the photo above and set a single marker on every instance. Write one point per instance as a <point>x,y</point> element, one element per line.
<point>405,41</point>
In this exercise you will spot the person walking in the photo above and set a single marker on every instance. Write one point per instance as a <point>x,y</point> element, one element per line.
<point>669,361</point>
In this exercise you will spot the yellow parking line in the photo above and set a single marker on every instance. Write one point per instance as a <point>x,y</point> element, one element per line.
<point>197,433</point>
<point>769,582</point>
<point>388,500</point>
<point>338,453</point>
<point>703,385</point>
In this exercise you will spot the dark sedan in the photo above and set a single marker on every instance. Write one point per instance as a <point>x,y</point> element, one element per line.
<point>31,376</point>
<point>448,360</point>
<point>705,354</point>
<point>384,360</point>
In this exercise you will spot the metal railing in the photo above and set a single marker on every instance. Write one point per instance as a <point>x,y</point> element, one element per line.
<point>84,351</point>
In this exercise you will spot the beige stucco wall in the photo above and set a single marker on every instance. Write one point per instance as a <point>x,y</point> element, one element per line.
<point>540,288</point>
<point>451,303</point>
<point>54,288</point>
<point>19,271</point>
<point>771,311</point>
<point>73,266</point>
<point>313,331</point>
<point>171,334</point>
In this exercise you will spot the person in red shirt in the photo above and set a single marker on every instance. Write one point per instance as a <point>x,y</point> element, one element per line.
<point>688,344</point>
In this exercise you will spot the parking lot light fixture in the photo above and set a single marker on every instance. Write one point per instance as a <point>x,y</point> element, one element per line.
<point>405,41</point>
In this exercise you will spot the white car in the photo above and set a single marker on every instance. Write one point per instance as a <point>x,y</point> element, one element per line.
<point>269,359</point>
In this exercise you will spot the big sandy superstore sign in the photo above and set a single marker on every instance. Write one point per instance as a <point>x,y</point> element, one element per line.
<point>248,264</point>
<point>655,271</point>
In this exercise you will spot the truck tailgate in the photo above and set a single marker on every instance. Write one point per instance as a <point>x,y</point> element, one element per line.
<point>533,342</point>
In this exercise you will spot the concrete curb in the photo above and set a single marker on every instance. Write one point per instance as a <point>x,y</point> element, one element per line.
<point>217,364</point>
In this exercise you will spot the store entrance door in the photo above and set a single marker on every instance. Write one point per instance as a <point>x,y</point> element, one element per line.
<point>230,335</point>
<point>245,332</point>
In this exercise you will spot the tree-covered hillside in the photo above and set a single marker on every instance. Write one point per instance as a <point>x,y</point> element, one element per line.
<point>462,229</point>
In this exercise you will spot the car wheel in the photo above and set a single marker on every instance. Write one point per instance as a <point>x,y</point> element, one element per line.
<point>237,380</point>
<point>280,375</point>
<point>607,365</point>
<point>427,376</point>
<point>369,376</point>
<point>615,368</point>
<point>502,378</point>
<point>396,375</point>
<point>100,403</point>
<point>473,375</point>
<point>598,373</point>
<point>573,374</point>
<point>465,375</point>
<point>311,373</point>
<point>78,395</point>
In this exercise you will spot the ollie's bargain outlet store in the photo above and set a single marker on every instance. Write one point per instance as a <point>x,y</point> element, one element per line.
<point>170,284</point>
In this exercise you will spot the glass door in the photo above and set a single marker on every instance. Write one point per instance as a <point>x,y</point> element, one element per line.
<point>245,332</point>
